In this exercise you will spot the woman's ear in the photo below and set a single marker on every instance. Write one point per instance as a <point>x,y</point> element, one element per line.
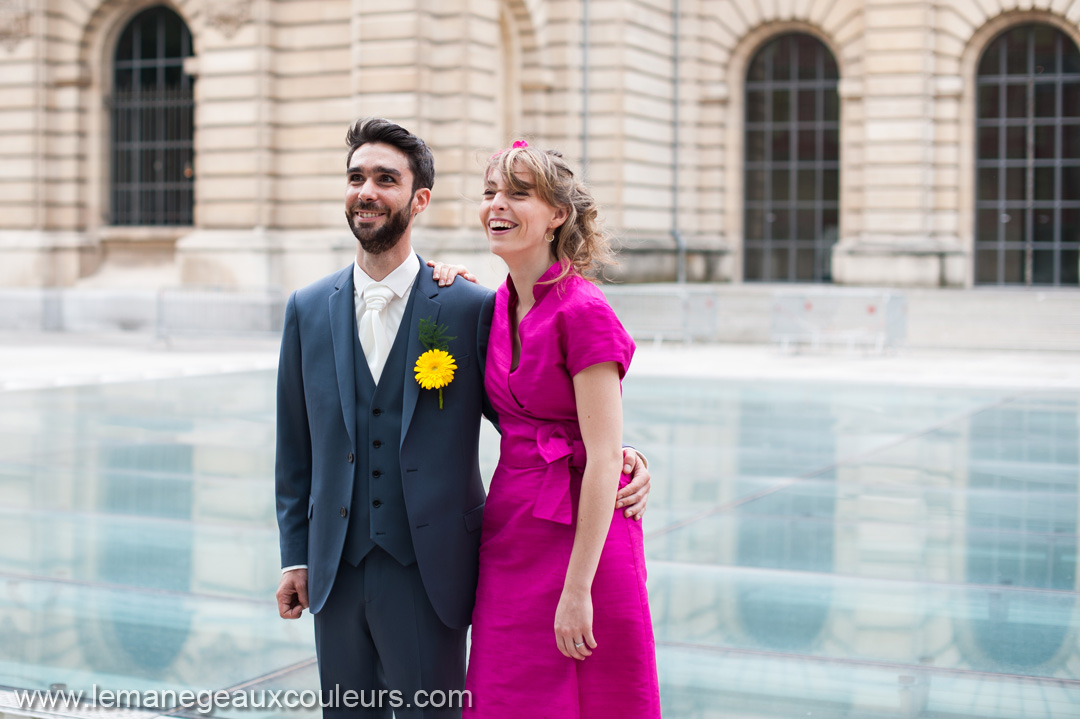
<point>561,213</point>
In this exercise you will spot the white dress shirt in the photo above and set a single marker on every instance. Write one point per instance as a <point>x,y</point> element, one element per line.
<point>400,281</point>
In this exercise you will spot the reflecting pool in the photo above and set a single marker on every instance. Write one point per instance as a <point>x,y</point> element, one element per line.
<point>821,550</point>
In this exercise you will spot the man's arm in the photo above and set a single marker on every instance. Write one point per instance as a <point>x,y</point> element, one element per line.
<point>292,469</point>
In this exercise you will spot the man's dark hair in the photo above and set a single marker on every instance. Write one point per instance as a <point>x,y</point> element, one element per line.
<point>376,129</point>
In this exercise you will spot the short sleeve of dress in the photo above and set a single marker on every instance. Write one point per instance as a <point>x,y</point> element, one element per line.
<point>593,334</point>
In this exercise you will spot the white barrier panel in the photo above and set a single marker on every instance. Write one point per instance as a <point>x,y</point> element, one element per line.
<point>165,312</point>
<point>679,314</point>
<point>873,320</point>
<point>183,310</point>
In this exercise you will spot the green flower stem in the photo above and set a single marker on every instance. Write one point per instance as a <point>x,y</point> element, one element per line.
<point>440,397</point>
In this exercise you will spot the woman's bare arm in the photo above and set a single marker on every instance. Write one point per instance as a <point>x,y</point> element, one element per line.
<point>599,407</point>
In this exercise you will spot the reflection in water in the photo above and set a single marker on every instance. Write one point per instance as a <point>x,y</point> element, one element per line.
<point>139,544</point>
<point>1022,531</point>
<point>802,539</point>
<point>147,648</point>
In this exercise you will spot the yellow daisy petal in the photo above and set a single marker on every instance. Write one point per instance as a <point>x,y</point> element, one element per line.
<point>435,369</point>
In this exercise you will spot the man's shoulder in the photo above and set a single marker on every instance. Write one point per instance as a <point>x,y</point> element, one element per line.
<point>465,293</point>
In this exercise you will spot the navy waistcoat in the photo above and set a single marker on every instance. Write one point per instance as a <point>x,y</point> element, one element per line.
<point>377,516</point>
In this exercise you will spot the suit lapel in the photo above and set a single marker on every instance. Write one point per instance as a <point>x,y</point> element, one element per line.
<point>426,307</point>
<point>342,329</point>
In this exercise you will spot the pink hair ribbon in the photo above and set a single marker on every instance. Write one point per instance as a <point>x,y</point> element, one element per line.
<point>516,145</point>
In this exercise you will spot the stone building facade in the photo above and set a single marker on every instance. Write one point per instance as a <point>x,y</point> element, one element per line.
<point>919,143</point>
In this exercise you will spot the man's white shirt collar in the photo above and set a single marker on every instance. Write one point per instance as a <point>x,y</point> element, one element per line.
<point>400,280</point>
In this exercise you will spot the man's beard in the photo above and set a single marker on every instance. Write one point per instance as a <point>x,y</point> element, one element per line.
<point>378,241</point>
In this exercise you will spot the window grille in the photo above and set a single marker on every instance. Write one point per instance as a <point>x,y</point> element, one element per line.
<point>152,107</point>
<point>1027,168</point>
<point>792,166</point>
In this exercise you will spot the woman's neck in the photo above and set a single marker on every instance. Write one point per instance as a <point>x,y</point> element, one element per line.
<point>525,273</point>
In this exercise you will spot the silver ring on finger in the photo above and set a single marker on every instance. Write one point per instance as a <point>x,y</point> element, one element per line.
<point>578,645</point>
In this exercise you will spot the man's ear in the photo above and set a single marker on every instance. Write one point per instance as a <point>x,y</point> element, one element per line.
<point>421,199</point>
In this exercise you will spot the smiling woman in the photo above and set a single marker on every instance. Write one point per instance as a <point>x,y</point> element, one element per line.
<point>552,547</point>
<point>519,223</point>
<point>524,186</point>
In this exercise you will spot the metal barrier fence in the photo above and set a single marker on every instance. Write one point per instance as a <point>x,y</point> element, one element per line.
<point>803,316</point>
<point>166,312</point>
<point>682,314</point>
<point>871,320</point>
<point>215,311</point>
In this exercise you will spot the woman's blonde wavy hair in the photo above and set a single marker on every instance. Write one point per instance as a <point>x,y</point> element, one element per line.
<point>582,239</point>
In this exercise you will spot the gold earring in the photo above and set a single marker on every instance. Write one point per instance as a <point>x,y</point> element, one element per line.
<point>550,237</point>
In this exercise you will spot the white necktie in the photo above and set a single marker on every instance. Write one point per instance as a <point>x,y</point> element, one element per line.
<point>373,337</point>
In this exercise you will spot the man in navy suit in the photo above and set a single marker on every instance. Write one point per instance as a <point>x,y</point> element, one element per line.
<point>379,494</point>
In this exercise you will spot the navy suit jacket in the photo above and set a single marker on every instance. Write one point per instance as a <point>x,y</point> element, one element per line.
<point>316,424</point>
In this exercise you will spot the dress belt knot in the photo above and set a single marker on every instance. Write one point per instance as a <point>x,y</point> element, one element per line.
<point>563,452</point>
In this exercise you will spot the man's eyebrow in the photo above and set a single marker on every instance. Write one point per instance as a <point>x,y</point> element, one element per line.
<point>376,171</point>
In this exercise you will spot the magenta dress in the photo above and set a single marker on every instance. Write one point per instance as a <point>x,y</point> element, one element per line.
<point>515,668</point>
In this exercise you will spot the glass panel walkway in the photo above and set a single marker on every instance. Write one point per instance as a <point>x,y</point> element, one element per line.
<point>816,549</point>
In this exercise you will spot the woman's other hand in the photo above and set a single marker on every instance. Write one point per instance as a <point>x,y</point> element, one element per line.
<point>444,274</point>
<point>573,624</point>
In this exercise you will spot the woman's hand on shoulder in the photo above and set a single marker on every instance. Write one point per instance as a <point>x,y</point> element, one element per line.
<point>445,273</point>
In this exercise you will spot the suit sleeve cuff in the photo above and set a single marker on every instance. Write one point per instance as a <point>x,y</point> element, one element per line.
<point>639,453</point>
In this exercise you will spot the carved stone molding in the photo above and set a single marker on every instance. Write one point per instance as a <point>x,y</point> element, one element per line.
<point>227,15</point>
<point>14,22</point>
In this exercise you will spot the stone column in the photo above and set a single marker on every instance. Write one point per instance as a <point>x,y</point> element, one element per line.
<point>897,243</point>
<point>40,204</point>
<point>234,174</point>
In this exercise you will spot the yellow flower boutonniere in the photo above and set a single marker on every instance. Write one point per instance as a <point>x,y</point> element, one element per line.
<point>435,368</point>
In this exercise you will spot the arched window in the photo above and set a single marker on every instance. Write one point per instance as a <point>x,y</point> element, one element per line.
<point>792,167</point>
<point>1027,170</point>
<point>152,123</point>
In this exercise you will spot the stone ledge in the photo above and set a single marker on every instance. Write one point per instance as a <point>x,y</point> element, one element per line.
<point>142,233</point>
<point>43,240</point>
<point>902,246</point>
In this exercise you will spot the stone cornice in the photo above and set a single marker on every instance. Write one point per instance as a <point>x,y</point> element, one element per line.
<point>227,16</point>
<point>14,22</point>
